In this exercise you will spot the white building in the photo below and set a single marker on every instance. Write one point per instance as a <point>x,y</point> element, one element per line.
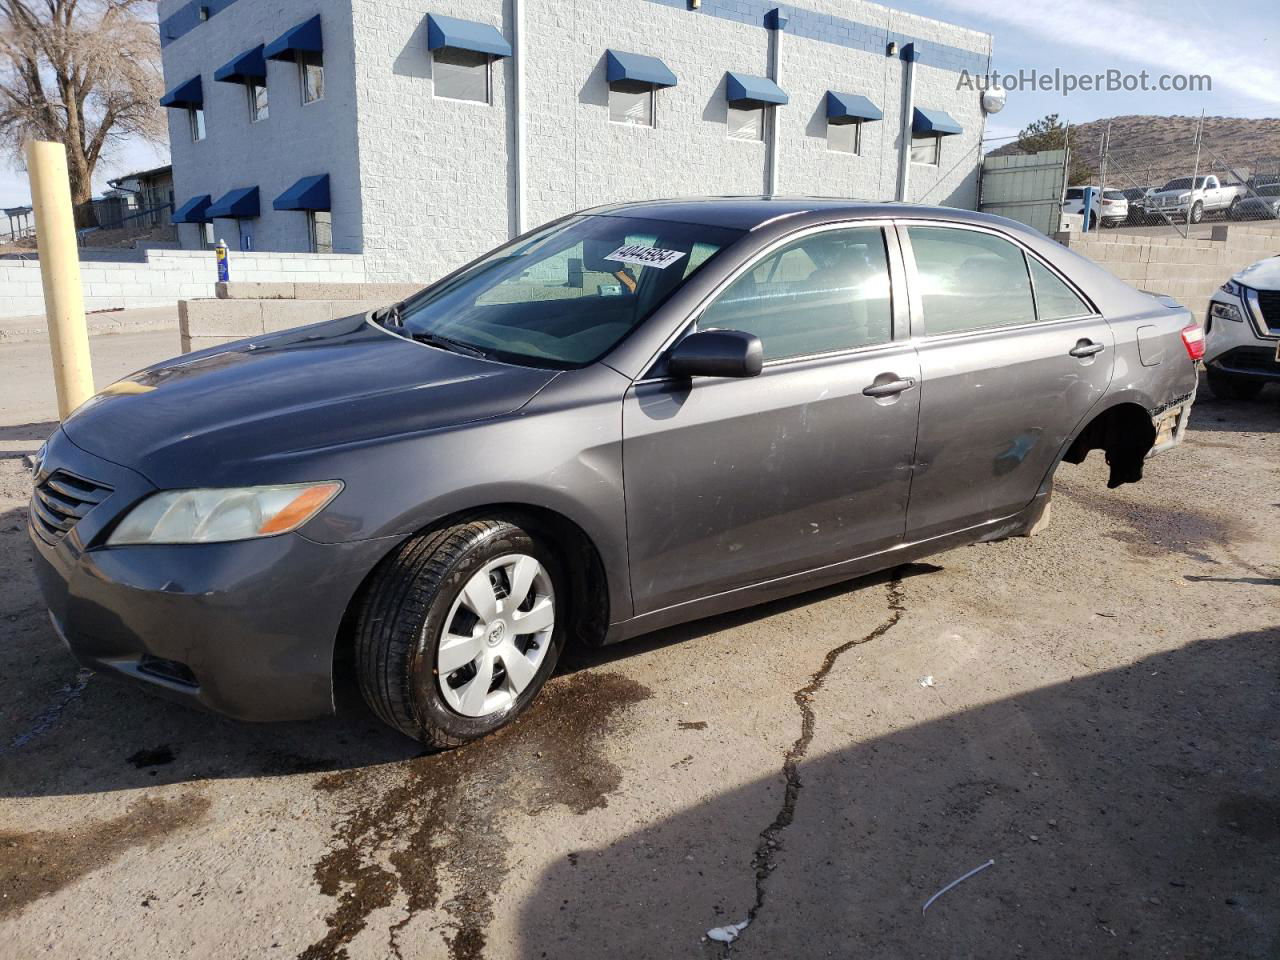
<point>422,134</point>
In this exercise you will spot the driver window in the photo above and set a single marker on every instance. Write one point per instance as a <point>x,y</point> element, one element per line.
<point>823,293</point>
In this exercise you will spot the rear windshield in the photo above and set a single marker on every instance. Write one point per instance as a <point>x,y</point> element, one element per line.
<point>1113,195</point>
<point>566,295</point>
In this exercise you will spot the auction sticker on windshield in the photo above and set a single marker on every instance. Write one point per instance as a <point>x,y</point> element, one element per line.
<point>645,256</point>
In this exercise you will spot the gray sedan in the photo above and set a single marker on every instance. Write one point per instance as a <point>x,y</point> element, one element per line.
<point>626,419</point>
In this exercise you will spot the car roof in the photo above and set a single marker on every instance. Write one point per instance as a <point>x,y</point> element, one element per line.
<point>748,213</point>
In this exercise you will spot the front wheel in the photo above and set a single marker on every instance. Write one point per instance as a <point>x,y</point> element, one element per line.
<point>459,629</point>
<point>1196,213</point>
<point>1226,386</point>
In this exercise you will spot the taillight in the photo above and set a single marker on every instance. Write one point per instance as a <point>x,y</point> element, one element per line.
<point>1193,340</point>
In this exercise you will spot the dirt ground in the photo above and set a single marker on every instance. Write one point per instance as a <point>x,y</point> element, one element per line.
<point>1103,722</point>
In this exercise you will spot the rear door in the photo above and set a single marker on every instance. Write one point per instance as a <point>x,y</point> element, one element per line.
<point>1012,359</point>
<point>734,482</point>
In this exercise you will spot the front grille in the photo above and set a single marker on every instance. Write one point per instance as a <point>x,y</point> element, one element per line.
<point>1269,303</point>
<point>60,501</point>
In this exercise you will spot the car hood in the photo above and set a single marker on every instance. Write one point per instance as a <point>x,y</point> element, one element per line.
<point>250,411</point>
<point>1263,275</point>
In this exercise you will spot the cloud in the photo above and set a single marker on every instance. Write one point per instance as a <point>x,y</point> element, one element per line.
<point>1175,41</point>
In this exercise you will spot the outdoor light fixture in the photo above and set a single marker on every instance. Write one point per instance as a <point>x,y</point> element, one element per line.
<point>892,49</point>
<point>695,4</point>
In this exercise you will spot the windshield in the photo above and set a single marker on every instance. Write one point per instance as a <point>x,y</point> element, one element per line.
<point>1182,183</point>
<point>1271,191</point>
<point>566,295</point>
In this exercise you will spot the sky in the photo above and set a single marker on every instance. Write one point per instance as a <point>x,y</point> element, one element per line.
<point>1233,41</point>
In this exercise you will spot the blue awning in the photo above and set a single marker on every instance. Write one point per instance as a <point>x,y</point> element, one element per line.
<point>250,65</point>
<point>195,210</point>
<point>744,90</point>
<point>309,193</point>
<point>237,205</point>
<point>636,68</point>
<point>934,121</point>
<point>452,33</point>
<point>850,108</point>
<point>304,38</point>
<point>185,95</point>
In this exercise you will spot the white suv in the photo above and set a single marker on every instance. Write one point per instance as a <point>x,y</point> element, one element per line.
<point>1111,205</point>
<point>1242,332</point>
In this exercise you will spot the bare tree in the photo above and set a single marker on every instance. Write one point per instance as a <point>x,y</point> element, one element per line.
<point>85,73</point>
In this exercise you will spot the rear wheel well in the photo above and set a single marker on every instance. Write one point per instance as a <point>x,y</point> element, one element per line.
<point>1125,434</point>
<point>588,586</point>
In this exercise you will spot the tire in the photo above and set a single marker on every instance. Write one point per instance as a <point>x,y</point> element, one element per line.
<point>1093,221</point>
<point>1231,388</point>
<point>1196,214</point>
<point>419,592</point>
<point>1233,211</point>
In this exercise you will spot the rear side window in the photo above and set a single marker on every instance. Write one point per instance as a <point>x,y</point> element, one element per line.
<point>820,294</point>
<point>1054,299</point>
<point>970,280</point>
<point>1075,193</point>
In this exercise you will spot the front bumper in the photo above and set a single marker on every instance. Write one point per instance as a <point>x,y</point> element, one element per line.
<point>1245,347</point>
<point>245,629</point>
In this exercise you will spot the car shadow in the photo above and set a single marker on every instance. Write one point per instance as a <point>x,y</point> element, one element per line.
<point>69,731</point>
<point>1211,415</point>
<point>1131,812</point>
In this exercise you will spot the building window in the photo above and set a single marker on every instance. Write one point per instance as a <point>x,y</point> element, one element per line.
<point>196,116</point>
<point>926,148</point>
<point>320,227</point>
<point>845,137</point>
<point>633,107</point>
<point>746,124</point>
<point>462,75</point>
<point>311,74</point>
<point>257,101</point>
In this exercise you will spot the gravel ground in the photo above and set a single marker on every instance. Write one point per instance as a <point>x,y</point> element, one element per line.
<point>1101,723</point>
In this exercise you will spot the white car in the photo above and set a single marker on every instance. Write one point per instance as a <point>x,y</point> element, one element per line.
<point>1182,201</point>
<point>1111,205</point>
<point>1242,332</point>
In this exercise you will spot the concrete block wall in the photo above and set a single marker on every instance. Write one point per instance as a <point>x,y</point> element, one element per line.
<point>296,140</point>
<point>212,323</point>
<point>1187,270</point>
<point>437,178</point>
<point>163,277</point>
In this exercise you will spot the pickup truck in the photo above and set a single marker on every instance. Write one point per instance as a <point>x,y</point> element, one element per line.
<point>1179,199</point>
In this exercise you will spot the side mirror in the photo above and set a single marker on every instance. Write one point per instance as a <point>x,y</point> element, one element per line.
<point>717,353</point>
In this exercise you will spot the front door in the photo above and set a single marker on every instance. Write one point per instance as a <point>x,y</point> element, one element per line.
<point>734,482</point>
<point>1011,359</point>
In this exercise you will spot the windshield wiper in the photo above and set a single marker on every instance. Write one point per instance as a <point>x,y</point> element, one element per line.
<point>388,316</point>
<point>446,343</point>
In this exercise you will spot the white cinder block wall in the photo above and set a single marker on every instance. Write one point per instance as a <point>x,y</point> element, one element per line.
<point>295,141</point>
<point>430,181</point>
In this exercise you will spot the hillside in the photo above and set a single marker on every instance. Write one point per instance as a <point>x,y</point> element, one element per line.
<point>1145,149</point>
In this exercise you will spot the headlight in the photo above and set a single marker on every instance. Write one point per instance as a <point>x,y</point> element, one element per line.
<point>1183,197</point>
<point>1233,289</point>
<point>220,515</point>
<point>1225,311</point>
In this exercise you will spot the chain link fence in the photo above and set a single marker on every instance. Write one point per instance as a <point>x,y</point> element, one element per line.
<point>1180,180</point>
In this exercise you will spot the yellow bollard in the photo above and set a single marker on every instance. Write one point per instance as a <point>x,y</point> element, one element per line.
<point>60,274</point>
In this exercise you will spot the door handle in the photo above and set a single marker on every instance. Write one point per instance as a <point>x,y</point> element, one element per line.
<point>889,389</point>
<point>1086,348</point>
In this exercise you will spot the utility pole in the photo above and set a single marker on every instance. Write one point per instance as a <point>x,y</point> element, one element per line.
<point>60,274</point>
